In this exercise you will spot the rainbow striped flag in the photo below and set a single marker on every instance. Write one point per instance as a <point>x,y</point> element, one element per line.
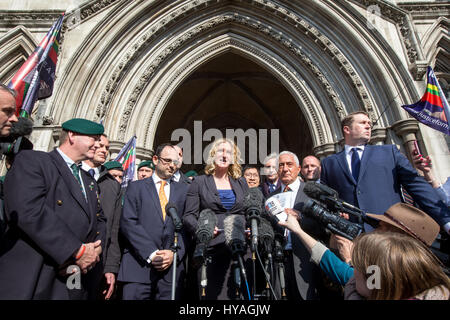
<point>36,77</point>
<point>127,157</point>
<point>433,109</point>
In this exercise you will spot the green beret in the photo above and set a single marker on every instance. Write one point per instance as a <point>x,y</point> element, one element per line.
<point>147,163</point>
<point>191,173</point>
<point>83,126</point>
<point>113,165</point>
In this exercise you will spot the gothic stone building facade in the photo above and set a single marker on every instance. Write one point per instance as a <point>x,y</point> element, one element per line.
<point>284,72</point>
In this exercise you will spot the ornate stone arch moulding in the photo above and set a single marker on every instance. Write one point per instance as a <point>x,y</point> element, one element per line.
<point>207,51</point>
<point>135,49</point>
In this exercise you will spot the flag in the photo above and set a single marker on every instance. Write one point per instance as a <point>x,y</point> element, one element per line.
<point>36,76</point>
<point>127,157</point>
<point>433,109</point>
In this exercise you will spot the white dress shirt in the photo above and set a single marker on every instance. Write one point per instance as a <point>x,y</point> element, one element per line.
<point>69,163</point>
<point>87,167</point>
<point>349,152</point>
<point>294,188</point>
<point>157,180</point>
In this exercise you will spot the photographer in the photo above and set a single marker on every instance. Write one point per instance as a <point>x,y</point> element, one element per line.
<point>7,118</point>
<point>400,217</point>
<point>7,110</point>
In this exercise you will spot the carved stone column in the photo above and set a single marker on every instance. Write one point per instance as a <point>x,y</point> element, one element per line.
<point>407,130</point>
<point>378,136</point>
<point>324,150</point>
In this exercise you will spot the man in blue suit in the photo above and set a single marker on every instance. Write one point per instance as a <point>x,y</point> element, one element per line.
<point>370,177</point>
<point>147,263</point>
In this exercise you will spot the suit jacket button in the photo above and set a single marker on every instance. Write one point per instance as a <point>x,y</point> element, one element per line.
<point>98,233</point>
<point>59,202</point>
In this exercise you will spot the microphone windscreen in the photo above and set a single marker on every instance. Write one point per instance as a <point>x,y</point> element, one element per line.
<point>169,207</point>
<point>234,228</point>
<point>253,200</point>
<point>265,230</point>
<point>206,223</point>
<point>22,127</point>
<point>315,190</point>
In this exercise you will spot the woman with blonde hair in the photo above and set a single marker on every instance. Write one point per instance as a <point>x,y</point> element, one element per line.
<point>395,266</point>
<point>222,190</point>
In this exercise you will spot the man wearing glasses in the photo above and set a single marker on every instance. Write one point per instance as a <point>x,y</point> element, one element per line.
<point>147,262</point>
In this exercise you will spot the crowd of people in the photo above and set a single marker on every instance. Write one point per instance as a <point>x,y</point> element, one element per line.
<point>70,231</point>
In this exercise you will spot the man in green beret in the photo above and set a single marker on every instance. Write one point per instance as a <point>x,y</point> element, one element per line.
<point>145,169</point>
<point>56,227</point>
<point>115,169</point>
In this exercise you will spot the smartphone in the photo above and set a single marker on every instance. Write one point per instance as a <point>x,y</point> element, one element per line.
<point>416,147</point>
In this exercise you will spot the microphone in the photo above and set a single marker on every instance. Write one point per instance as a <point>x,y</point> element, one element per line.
<point>253,203</point>
<point>23,127</point>
<point>316,190</point>
<point>206,223</point>
<point>171,210</point>
<point>234,231</point>
<point>266,236</point>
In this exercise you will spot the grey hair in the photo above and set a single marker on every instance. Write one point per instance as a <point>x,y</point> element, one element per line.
<point>4,87</point>
<point>273,155</point>
<point>289,153</point>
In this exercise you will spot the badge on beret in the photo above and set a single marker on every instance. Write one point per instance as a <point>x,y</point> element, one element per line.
<point>147,163</point>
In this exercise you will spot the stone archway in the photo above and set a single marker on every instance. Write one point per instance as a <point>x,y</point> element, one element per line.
<point>128,78</point>
<point>232,92</point>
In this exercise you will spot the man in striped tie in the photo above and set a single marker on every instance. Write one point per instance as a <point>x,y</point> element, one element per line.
<point>56,227</point>
<point>147,263</point>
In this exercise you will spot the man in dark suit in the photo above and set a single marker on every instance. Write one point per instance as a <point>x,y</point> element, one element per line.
<point>147,262</point>
<point>111,202</point>
<point>55,222</point>
<point>270,175</point>
<point>7,118</point>
<point>370,177</point>
<point>303,278</point>
<point>310,169</point>
<point>179,176</point>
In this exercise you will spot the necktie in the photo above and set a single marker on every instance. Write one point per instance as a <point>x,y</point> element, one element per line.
<point>91,172</point>
<point>163,199</point>
<point>76,173</point>
<point>287,189</point>
<point>356,163</point>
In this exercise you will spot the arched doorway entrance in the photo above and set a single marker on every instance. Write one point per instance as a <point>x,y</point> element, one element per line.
<point>231,92</point>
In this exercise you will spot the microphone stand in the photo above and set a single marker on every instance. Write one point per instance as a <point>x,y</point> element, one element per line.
<point>237,279</point>
<point>175,248</point>
<point>204,278</point>
<point>279,257</point>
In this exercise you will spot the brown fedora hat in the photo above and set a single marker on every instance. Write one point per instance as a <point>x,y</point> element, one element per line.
<point>411,220</point>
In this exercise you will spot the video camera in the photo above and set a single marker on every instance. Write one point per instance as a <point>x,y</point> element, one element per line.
<point>16,141</point>
<point>326,208</point>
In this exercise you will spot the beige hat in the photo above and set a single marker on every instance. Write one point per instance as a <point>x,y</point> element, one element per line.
<point>411,220</point>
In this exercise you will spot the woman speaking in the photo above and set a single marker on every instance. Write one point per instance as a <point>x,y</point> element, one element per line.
<point>222,190</point>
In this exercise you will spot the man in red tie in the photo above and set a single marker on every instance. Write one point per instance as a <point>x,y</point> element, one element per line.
<point>302,276</point>
<point>147,264</point>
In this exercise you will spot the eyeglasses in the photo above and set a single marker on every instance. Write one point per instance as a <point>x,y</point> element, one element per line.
<point>169,161</point>
<point>251,175</point>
